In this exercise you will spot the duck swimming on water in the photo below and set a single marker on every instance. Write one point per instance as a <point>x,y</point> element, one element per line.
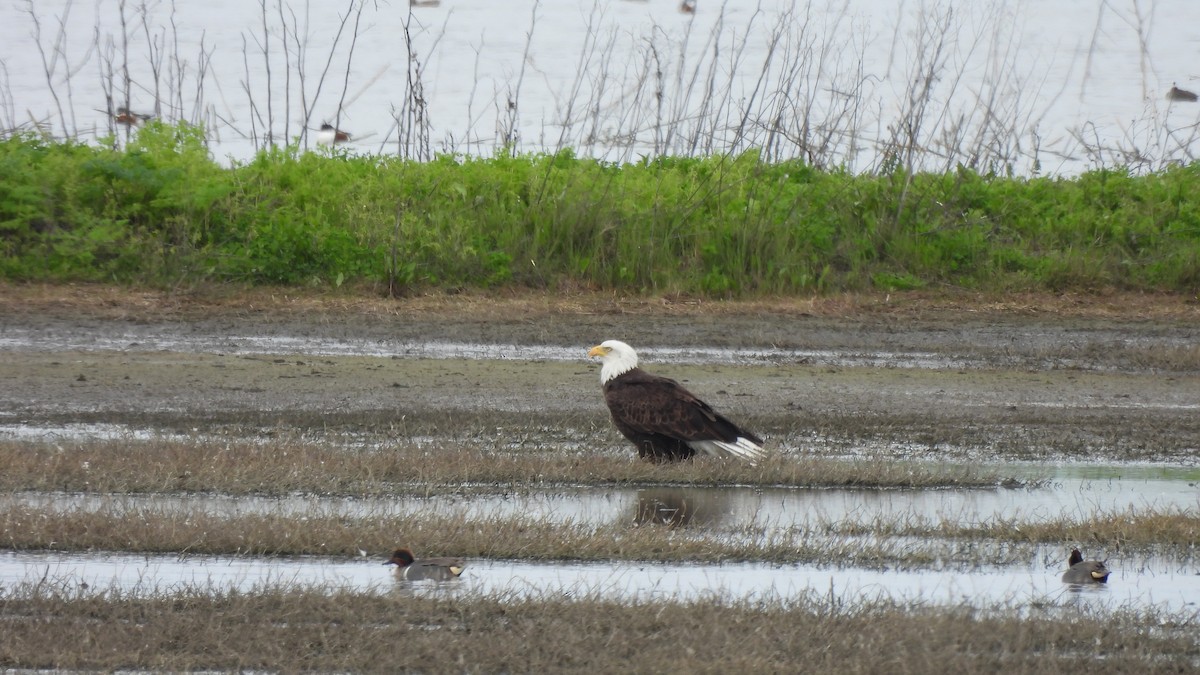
<point>409,568</point>
<point>1177,94</point>
<point>1085,571</point>
<point>129,118</point>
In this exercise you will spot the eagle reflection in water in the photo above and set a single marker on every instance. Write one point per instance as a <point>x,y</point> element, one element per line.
<point>681,507</point>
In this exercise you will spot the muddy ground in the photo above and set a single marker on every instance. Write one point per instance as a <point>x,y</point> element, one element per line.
<point>1110,378</point>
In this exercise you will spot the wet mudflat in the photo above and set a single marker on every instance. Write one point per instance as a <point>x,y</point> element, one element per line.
<point>933,381</point>
<point>1102,408</point>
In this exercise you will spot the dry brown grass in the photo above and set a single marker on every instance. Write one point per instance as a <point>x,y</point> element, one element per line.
<point>286,465</point>
<point>209,301</point>
<point>304,630</point>
<point>142,529</point>
<point>1124,529</point>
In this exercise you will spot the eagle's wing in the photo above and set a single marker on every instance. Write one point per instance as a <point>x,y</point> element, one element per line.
<point>659,405</point>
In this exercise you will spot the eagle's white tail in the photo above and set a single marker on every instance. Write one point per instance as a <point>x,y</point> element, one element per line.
<point>742,448</point>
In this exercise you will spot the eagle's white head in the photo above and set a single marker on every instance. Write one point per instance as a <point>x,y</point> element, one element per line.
<point>616,358</point>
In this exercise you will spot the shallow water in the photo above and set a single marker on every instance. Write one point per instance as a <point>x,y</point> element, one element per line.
<point>1077,492</point>
<point>1029,578</point>
<point>20,339</point>
<point>170,339</point>
<point>1135,583</point>
<point>1070,489</point>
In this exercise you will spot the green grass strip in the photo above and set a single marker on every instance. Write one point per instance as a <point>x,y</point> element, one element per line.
<point>162,212</point>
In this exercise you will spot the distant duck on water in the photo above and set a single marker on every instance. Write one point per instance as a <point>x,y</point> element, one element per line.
<point>328,135</point>
<point>688,7</point>
<point>1177,94</point>
<point>1085,571</point>
<point>129,118</point>
<point>424,3</point>
<point>409,568</point>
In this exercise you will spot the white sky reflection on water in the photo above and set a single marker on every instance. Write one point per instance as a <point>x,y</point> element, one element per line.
<point>707,509</point>
<point>1031,575</point>
<point>1153,584</point>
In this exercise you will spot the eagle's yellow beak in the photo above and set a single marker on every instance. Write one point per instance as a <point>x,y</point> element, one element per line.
<point>598,350</point>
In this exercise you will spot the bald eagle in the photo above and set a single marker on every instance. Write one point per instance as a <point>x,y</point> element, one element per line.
<point>665,421</point>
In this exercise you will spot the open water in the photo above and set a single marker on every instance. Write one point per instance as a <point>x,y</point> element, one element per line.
<point>1050,87</point>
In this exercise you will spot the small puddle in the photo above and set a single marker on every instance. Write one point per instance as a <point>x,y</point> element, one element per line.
<point>1135,583</point>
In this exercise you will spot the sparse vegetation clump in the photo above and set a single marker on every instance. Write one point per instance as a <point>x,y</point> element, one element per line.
<point>162,212</point>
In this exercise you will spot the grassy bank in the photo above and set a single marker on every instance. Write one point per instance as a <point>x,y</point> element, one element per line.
<point>301,630</point>
<point>903,541</point>
<point>162,213</point>
<point>282,466</point>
